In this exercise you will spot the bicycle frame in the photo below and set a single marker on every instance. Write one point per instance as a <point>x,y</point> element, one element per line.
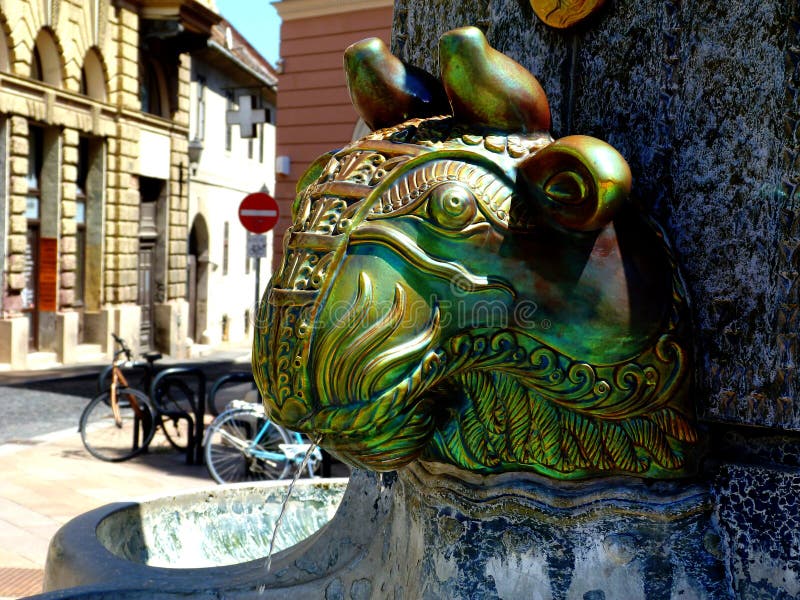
<point>294,452</point>
<point>128,411</point>
<point>118,378</point>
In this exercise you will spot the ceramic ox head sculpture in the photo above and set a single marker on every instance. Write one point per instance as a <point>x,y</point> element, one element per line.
<point>459,287</point>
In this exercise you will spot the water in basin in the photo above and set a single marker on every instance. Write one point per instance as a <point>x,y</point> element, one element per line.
<point>225,526</point>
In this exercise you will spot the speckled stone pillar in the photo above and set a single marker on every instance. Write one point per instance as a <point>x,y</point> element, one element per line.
<point>702,98</point>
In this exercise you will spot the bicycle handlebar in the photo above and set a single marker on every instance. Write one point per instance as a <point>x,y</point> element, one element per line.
<point>123,348</point>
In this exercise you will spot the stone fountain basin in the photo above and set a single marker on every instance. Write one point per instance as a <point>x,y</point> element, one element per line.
<point>222,531</point>
<point>426,531</point>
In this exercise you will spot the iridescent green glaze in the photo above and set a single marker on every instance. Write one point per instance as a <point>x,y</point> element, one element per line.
<point>462,288</point>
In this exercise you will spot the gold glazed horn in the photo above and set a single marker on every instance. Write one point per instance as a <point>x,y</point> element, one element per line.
<point>578,182</point>
<point>385,91</point>
<point>486,87</point>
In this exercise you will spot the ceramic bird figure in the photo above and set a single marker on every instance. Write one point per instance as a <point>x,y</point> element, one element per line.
<point>384,90</point>
<point>486,87</point>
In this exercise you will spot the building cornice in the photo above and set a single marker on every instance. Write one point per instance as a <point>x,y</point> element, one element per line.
<point>290,10</point>
<point>194,15</point>
<point>38,101</point>
<point>266,79</point>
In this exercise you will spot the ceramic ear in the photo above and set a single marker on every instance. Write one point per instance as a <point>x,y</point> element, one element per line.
<point>578,182</point>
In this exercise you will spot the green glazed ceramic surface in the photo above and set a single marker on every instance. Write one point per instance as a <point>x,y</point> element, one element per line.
<point>463,288</point>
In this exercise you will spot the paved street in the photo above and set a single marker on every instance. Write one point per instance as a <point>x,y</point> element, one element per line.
<point>39,403</point>
<point>48,477</point>
<point>30,413</point>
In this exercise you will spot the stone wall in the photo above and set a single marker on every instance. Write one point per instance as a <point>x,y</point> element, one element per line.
<point>701,98</point>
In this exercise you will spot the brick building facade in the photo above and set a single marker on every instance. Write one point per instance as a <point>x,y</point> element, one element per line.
<point>314,110</point>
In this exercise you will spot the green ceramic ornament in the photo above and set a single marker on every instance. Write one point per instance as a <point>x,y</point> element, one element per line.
<point>462,288</point>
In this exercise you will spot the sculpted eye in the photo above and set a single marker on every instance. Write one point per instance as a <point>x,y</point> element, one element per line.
<point>452,206</point>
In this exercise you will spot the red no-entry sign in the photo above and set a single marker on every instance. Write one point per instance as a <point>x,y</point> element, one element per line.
<point>258,212</point>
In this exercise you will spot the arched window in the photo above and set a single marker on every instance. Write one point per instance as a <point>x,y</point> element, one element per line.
<point>93,80</point>
<point>45,59</point>
<point>36,65</point>
<point>4,58</point>
<point>152,89</point>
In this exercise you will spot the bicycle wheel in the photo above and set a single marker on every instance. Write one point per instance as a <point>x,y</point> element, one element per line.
<point>230,455</point>
<point>175,410</point>
<point>107,440</point>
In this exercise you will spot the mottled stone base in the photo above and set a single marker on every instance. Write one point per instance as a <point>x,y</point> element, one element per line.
<point>758,514</point>
<point>519,536</point>
<point>435,532</point>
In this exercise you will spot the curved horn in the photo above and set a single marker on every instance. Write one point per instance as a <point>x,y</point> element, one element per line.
<point>486,87</point>
<point>385,91</point>
<point>579,182</point>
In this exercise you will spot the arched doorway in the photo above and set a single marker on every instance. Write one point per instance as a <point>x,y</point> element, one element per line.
<point>151,278</point>
<point>197,276</point>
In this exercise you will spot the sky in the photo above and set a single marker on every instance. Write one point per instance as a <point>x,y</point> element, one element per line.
<point>256,20</point>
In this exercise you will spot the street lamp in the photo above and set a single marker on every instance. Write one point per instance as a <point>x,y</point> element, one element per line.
<point>195,150</point>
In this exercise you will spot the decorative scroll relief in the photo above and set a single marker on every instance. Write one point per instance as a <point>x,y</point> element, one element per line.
<point>534,406</point>
<point>312,245</point>
<point>398,326</point>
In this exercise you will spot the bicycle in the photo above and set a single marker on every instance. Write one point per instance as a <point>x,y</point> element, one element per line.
<point>120,422</point>
<point>242,444</point>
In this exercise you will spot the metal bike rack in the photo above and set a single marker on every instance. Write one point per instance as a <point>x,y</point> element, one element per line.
<point>194,451</point>
<point>230,378</point>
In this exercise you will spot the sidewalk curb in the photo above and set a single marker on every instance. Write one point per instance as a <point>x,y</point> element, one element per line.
<point>17,378</point>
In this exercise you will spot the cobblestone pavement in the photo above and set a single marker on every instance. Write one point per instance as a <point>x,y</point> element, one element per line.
<point>30,413</point>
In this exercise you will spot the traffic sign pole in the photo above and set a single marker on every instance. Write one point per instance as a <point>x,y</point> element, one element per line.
<point>258,286</point>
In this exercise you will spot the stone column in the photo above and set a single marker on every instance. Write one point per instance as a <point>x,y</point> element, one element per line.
<point>14,326</point>
<point>701,99</point>
<point>69,170</point>
<point>68,323</point>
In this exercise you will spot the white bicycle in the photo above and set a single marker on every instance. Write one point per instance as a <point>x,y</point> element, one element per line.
<point>242,444</point>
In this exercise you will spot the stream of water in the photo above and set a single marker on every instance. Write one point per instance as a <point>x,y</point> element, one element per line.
<point>297,475</point>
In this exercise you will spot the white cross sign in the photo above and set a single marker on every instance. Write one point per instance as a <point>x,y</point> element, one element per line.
<point>246,117</point>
